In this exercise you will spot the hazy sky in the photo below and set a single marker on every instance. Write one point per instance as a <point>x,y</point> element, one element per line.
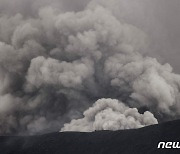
<point>161,20</point>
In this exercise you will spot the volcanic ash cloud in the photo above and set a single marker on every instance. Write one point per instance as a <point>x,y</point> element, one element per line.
<point>110,114</point>
<point>54,65</point>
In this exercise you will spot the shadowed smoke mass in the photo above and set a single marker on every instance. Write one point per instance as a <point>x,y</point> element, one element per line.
<point>59,58</point>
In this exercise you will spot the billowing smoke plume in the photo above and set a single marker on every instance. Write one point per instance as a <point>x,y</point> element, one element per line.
<point>109,114</point>
<point>55,64</point>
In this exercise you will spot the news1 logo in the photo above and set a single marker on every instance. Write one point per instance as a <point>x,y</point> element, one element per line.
<point>168,145</point>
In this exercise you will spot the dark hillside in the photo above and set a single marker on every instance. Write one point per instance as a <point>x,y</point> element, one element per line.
<point>140,141</point>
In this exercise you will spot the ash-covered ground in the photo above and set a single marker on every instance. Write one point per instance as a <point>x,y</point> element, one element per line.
<point>135,141</point>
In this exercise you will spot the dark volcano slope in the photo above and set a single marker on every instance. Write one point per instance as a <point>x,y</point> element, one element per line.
<point>139,141</point>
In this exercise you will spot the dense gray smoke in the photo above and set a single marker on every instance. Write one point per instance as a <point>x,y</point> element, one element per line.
<point>109,114</point>
<point>55,63</point>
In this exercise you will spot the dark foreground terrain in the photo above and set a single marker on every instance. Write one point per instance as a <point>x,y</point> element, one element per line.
<point>140,141</point>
